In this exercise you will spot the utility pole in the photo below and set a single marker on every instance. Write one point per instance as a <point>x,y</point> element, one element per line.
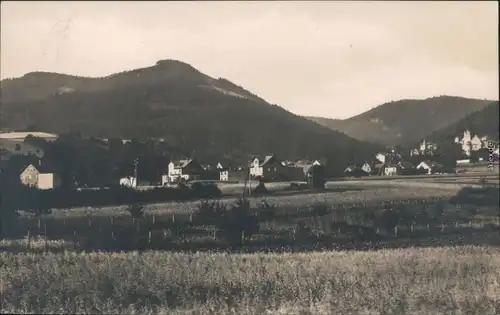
<point>136,162</point>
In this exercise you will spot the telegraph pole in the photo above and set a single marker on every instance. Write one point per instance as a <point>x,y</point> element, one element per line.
<point>136,162</point>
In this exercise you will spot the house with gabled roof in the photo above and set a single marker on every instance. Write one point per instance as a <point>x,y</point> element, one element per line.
<point>269,167</point>
<point>223,172</point>
<point>39,176</point>
<point>430,166</point>
<point>187,169</point>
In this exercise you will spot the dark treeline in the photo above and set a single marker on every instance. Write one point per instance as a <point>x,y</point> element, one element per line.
<point>40,201</point>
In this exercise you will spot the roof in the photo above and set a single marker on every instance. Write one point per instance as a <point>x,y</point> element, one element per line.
<point>181,163</point>
<point>42,168</point>
<point>431,163</point>
<point>406,164</point>
<point>23,135</point>
<point>266,160</point>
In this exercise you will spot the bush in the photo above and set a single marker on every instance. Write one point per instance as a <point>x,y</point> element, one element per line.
<point>136,210</point>
<point>239,222</point>
<point>201,190</point>
<point>261,189</point>
<point>211,213</point>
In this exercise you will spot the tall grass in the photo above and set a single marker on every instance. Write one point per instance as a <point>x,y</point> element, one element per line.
<point>459,280</point>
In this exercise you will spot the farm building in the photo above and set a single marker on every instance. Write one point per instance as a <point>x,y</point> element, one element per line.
<point>39,177</point>
<point>431,167</point>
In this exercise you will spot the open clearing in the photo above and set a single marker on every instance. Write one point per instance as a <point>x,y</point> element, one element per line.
<point>458,280</point>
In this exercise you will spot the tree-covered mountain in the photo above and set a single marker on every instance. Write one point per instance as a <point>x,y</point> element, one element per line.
<point>481,123</point>
<point>406,121</point>
<point>171,100</point>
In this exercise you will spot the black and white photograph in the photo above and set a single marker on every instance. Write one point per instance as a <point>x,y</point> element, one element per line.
<point>249,157</point>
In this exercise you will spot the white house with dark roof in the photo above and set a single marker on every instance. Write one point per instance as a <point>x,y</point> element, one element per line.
<point>39,177</point>
<point>223,172</point>
<point>188,169</point>
<point>268,167</point>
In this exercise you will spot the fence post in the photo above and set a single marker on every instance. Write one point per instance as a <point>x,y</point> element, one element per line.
<point>74,238</point>
<point>149,237</point>
<point>39,223</point>
<point>191,217</point>
<point>28,245</point>
<point>411,228</point>
<point>242,236</point>
<point>64,223</point>
<point>112,219</point>
<point>442,226</point>
<point>396,231</point>
<point>90,222</point>
<point>173,218</point>
<point>45,245</point>
<point>428,227</point>
<point>154,219</point>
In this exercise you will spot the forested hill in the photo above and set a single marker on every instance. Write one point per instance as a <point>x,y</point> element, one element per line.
<point>482,123</point>
<point>405,121</point>
<point>176,102</point>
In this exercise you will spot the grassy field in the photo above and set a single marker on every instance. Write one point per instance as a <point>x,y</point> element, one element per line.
<point>351,192</point>
<point>453,280</point>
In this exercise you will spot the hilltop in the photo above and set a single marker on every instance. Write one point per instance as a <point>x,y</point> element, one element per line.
<point>406,121</point>
<point>174,101</point>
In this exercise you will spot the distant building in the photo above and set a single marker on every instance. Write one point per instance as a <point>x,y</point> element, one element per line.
<point>430,167</point>
<point>187,170</point>
<point>21,136</point>
<point>366,167</point>
<point>223,172</point>
<point>39,177</point>
<point>269,168</point>
<point>471,143</point>
<point>128,181</point>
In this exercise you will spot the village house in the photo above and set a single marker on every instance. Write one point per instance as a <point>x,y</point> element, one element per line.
<point>223,172</point>
<point>129,181</point>
<point>366,167</point>
<point>430,167</point>
<point>39,177</point>
<point>189,169</point>
<point>269,168</point>
<point>390,169</point>
<point>471,143</point>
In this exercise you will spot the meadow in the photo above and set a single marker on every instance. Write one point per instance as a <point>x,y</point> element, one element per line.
<point>450,280</point>
<point>336,193</point>
<point>355,251</point>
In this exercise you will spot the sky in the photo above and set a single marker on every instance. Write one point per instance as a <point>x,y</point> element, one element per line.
<point>332,59</point>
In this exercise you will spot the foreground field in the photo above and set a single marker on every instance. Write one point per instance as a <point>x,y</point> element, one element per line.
<point>463,280</point>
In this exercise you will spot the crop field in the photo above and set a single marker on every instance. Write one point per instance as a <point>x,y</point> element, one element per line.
<point>451,280</point>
